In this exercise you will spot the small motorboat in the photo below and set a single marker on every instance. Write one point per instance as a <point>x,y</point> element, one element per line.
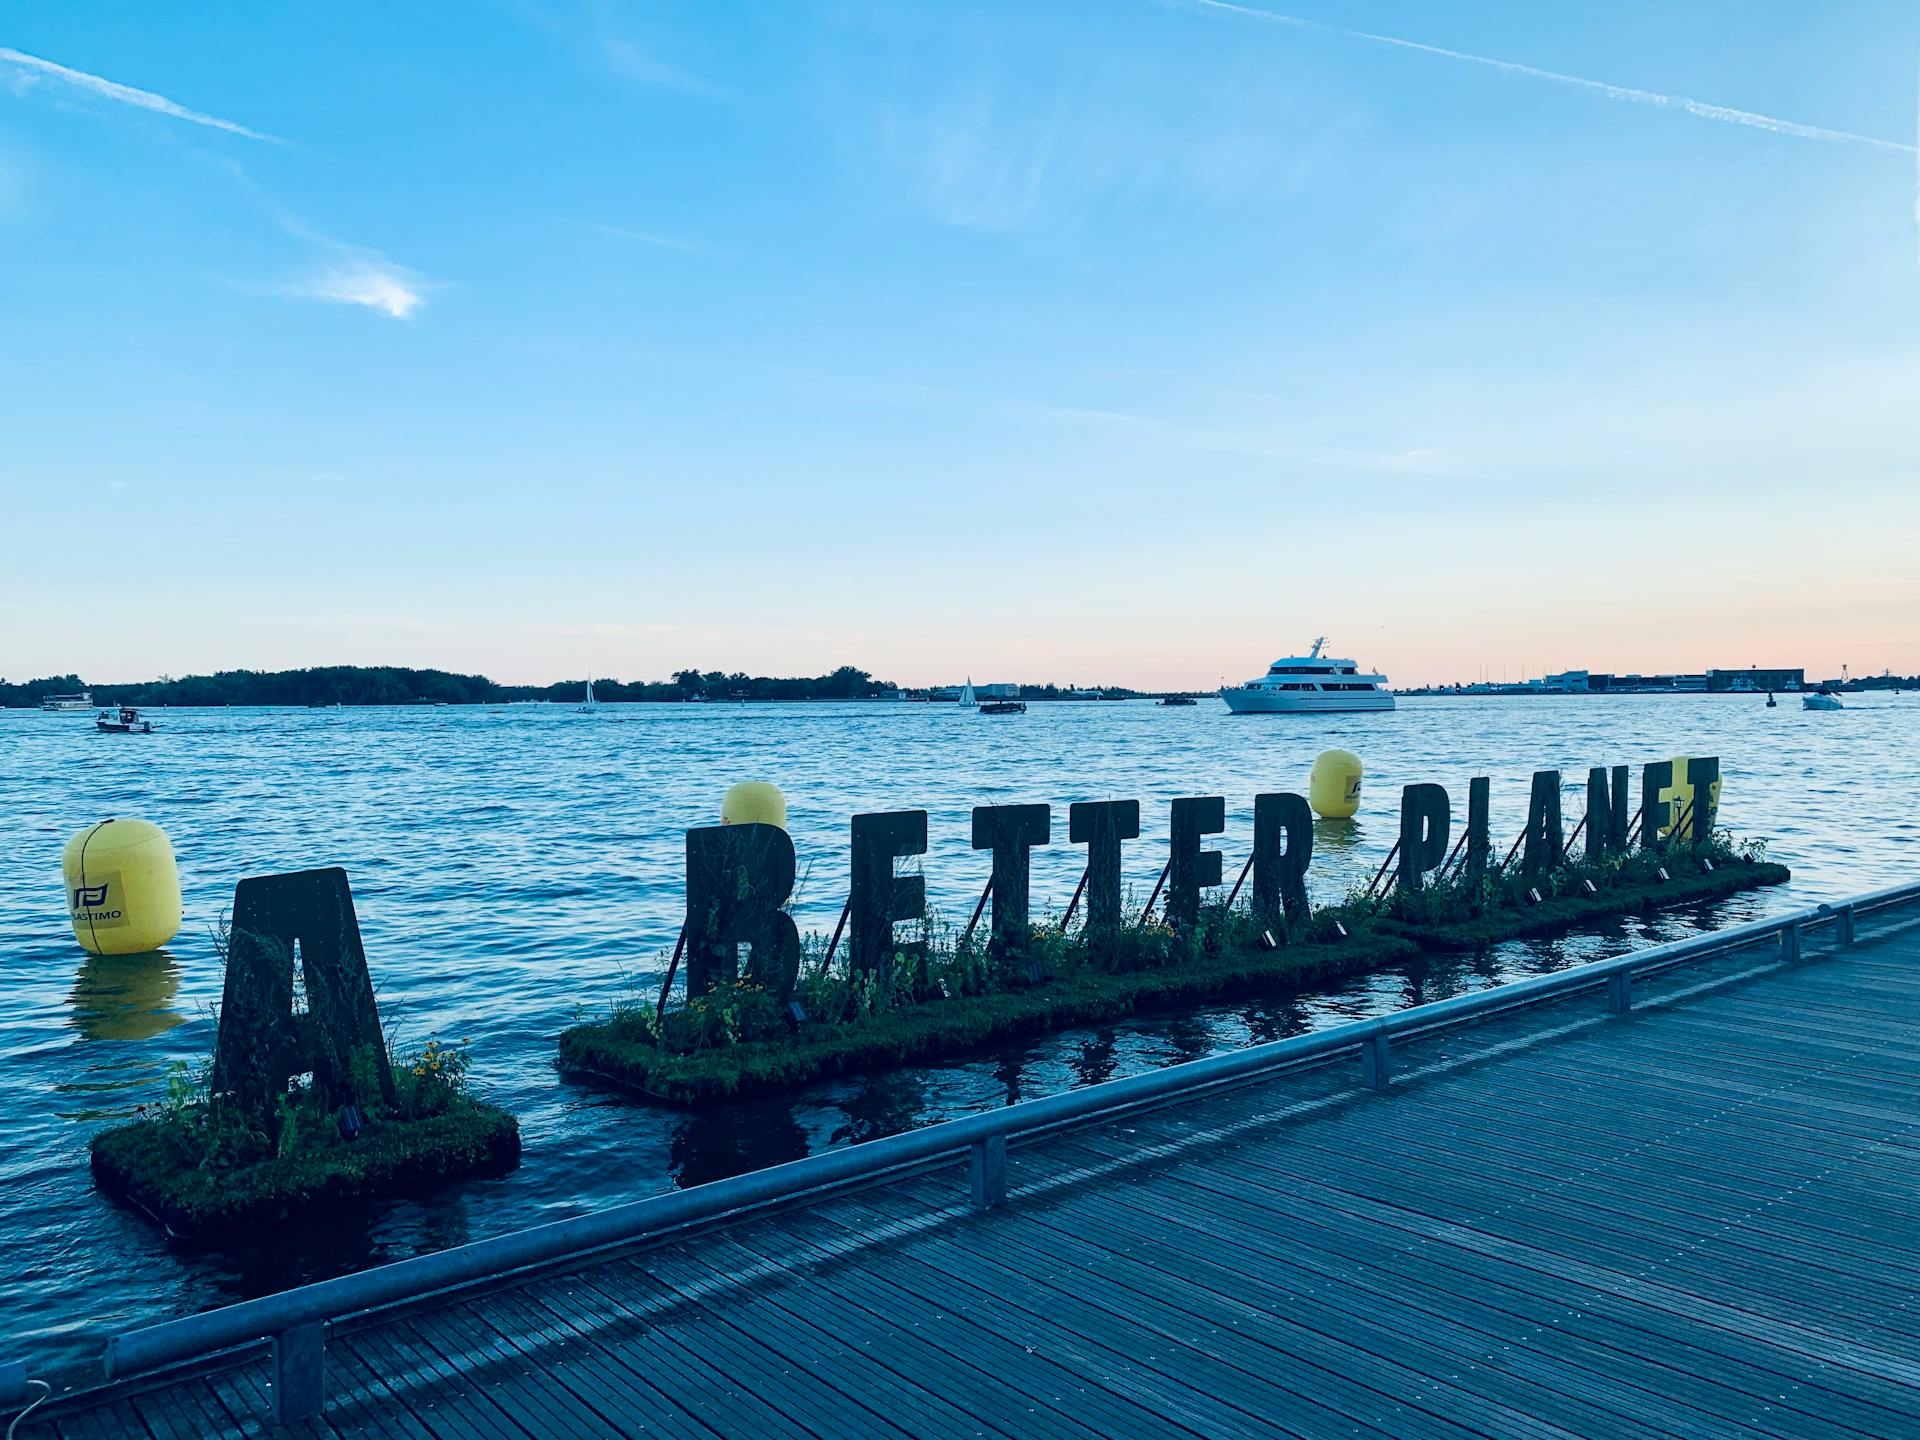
<point>1176,700</point>
<point>1822,699</point>
<point>126,722</point>
<point>1004,707</point>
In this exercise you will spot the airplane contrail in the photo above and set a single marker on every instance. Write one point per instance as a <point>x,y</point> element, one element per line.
<point>124,94</point>
<point>1631,95</point>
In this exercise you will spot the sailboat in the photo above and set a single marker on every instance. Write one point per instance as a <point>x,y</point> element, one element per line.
<point>590,703</point>
<point>966,693</point>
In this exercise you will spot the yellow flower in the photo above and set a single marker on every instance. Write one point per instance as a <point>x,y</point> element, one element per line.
<point>418,1071</point>
<point>436,1067</point>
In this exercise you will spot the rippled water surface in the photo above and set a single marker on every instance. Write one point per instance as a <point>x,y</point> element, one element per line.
<point>515,866</point>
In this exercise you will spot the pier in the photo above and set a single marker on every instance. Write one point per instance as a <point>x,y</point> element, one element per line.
<point>1669,1194</point>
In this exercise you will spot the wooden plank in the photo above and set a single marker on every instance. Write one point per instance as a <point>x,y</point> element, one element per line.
<point>1268,1330</point>
<point>887,1333</point>
<point>1546,1342</point>
<point>1135,1374</point>
<point>1397,1276</point>
<point>530,1383</point>
<point>918,1398</point>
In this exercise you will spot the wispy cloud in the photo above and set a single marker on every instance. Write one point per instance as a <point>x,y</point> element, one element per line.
<point>1627,93</point>
<point>353,275</point>
<point>647,237</point>
<point>372,281</point>
<point>630,62</point>
<point>123,94</point>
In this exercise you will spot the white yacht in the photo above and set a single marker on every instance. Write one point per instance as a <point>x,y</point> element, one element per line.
<point>1309,684</point>
<point>67,704</point>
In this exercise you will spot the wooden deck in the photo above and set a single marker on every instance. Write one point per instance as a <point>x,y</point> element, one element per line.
<point>1696,1221</point>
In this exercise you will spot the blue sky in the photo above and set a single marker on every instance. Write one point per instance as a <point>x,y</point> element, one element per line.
<point>1097,342</point>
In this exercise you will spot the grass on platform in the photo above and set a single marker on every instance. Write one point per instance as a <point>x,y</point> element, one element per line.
<point>957,996</point>
<point>1464,914</point>
<point>207,1173</point>
<point>737,1041</point>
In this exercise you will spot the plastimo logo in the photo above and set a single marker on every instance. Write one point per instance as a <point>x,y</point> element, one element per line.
<point>90,906</point>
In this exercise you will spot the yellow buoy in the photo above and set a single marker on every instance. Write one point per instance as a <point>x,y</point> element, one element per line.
<point>1680,801</point>
<point>123,889</point>
<point>1334,790</point>
<point>754,802</point>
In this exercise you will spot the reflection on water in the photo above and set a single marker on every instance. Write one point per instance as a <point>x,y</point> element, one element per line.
<point>125,997</point>
<point>749,1135</point>
<point>1338,837</point>
<point>515,868</point>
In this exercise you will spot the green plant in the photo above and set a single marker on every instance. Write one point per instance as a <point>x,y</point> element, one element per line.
<point>428,1081</point>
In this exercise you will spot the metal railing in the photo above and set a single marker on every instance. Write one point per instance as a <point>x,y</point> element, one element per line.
<point>295,1321</point>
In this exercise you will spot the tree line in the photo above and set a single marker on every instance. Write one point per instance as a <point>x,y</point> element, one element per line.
<point>398,685</point>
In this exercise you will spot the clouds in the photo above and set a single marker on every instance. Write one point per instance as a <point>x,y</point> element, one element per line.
<point>630,62</point>
<point>1026,127</point>
<point>1699,108</point>
<point>371,280</point>
<point>647,237</point>
<point>34,66</point>
<point>352,276</point>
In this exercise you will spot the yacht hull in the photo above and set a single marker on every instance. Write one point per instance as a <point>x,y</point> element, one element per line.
<point>1242,701</point>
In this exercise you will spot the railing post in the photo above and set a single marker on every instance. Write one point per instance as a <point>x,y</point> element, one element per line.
<point>987,1166</point>
<point>1790,940</point>
<point>1376,1063</point>
<point>1843,925</point>
<point>299,1372</point>
<point>1620,992</point>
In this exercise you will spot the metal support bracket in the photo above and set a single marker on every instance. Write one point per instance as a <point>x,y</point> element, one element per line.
<point>1620,993</point>
<point>1376,1062</point>
<point>987,1167</point>
<point>299,1372</point>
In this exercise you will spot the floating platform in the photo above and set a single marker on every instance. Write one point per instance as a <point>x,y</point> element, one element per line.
<point>944,1029</point>
<point>136,1165</point>
<point>1560,914</point>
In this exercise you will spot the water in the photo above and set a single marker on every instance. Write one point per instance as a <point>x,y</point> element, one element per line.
<point>517,866</point>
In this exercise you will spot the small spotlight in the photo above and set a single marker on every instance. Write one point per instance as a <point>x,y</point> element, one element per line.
<point>350,1121</point>
<point>1339,930</point>
<point>1706,865</point>
<point>1588,886</point>
<point>1533,896</point>
<point>1661,875</point>
<point>1267,942</point>
<point>796,1012</point>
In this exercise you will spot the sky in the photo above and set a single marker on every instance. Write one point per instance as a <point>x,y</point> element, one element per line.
<point>1112,341</point>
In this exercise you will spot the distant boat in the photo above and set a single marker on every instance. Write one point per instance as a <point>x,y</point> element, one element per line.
<point>1176,700</point>
<point>1003,707</point>
<point>127,722</point>
<point>67,704</point>
<point>591,702</point>
<point>1309,683</point>
<point>1822,699</point>
<point>966,694</point>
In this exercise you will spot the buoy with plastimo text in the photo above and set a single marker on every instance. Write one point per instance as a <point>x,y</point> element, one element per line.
<point>754,802</point>
<point>123,888</point>
<point>1334,789</point>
